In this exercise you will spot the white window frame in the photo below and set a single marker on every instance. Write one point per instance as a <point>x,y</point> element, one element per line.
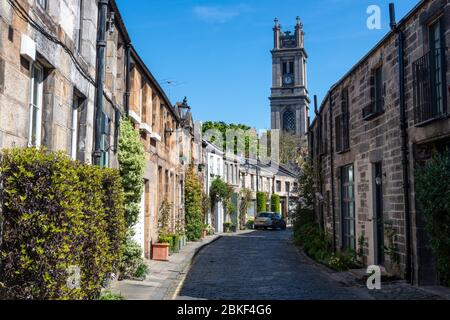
<point>38,106</point>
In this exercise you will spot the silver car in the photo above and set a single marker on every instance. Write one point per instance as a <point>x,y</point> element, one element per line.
<point>265,220</point>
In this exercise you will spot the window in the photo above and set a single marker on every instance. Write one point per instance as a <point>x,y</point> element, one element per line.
<point>437,65</point>
<point>79,34</point>
<point>429,78</point>
<point>78,127</point>
<point>278,186</point>
<point>376,105</point>
<point>252,181</point>
<point>36,96</point>
<point>342,124</point>
<point>289,121</point>
<point>43,4</point>
<point>288,187</point>
<point>348,208</point>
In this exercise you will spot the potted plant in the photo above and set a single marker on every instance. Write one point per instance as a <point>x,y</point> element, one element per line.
<point>205,231</point>
<point>160,250</point>
<point>227,227</point>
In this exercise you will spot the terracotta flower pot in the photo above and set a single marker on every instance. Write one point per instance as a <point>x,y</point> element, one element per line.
<point>205,233</point>
<point>160,251</point>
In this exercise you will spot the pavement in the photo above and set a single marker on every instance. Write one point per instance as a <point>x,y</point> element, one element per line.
<point>165,277</point>
<point>258,265</point>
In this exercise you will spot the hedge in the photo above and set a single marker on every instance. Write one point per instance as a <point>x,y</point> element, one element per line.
<point>433,193</point>
<point>261,202</point>
<point>58,216</point>
<point>275,204</point>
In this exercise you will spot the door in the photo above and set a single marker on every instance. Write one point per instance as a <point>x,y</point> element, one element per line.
<point>378,211</point>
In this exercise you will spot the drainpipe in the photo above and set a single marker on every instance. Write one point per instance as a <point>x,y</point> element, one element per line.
<point>404,139</point>
<point>100,72</point>
<point>333,202</point>
<point>127,78</point>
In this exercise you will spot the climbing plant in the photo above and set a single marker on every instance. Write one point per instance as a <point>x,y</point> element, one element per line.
<point>433,193</point>
<point>221,191</point>
<point>132,163</point>
<point>131,156</point>
<point>193,205</point>
<point>246,198</point>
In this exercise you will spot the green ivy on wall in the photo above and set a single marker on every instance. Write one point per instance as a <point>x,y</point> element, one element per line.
<point>132,166</point>
<point>193,205</point>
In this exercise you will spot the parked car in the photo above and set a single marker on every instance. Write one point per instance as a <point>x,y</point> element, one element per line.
<point>266,220</point>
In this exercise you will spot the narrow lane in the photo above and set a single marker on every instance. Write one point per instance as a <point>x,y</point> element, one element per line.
<point>259,265</point>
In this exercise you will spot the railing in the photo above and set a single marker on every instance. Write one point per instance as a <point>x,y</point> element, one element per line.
<point>429,86</point>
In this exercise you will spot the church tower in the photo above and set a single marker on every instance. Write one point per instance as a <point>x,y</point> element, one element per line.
<point>289,99</point>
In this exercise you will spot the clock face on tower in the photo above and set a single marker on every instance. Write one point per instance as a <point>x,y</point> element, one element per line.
<point>287,79</point>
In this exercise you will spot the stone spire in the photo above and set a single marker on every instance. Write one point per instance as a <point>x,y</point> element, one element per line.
<point>276,32</point>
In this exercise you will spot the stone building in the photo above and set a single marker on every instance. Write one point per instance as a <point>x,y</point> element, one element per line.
<point>369,135</point>
<point>68,73</point>
<point>47,75</point>
<point>289,98</point>
<point>241,174</point>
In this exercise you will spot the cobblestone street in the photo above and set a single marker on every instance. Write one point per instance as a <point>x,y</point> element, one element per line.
<point>260,265</point>
<point>266,265</point>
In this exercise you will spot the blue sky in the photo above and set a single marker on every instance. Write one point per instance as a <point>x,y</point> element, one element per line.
<point>217,53</point>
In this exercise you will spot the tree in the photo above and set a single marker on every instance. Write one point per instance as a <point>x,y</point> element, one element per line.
<point>290,145</point>
<point>247,143</point>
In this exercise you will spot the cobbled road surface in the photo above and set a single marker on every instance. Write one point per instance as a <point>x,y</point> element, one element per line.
<point>263,265</point>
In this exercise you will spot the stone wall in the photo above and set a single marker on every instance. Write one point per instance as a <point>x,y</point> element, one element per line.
<point>378,139</point>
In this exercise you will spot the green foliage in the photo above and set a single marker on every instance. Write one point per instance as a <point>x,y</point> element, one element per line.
<point>261,202</point>
<point>193,202</point>
<point>289,147</point>
<point>246,142</point>
<point>132,261</point>
<point>275,203</point>
<point>108,295</point>
<point>132,165</point>
<point>318,245</point>
<point>433,193</point>
<point>246,199</point>
<point>221,191</point>
<point>58,215</point>
<point>165,239</point>
<point>307,185</point>
<point>228,226</point>
<point>164,216</point>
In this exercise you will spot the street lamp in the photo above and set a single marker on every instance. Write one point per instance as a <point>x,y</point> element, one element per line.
<point>184,108</point>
